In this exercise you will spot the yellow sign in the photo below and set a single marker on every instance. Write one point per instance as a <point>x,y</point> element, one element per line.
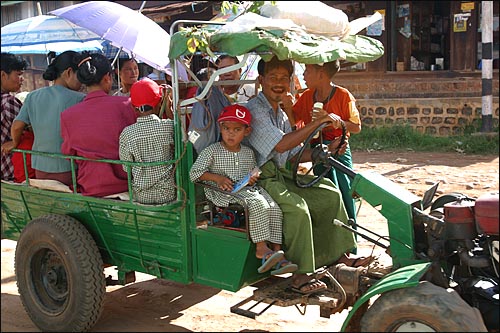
<point>460,22</point>
<point>467,6</point>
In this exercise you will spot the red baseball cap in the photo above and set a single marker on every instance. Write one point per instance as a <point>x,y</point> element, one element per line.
<point>237,113</point>
<point>145,92</point>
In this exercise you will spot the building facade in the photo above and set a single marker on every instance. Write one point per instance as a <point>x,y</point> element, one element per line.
<point>429,77</point>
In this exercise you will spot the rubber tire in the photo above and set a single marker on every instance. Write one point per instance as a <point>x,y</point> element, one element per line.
<point>441,309</point>
<point>59,273</point>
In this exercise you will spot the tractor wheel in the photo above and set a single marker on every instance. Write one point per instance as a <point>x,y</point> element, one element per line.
<point>59,274</point>
<point>424,308</point>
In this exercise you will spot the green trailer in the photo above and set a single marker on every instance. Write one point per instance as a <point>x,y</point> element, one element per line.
<point>65,240</point>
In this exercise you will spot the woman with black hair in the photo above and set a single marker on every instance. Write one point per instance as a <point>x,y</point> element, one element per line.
<point>92,129</point>
<point>42,109</point>
<point>128,73</point>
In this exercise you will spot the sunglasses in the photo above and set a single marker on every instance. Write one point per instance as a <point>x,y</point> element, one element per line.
<point>144,108</point>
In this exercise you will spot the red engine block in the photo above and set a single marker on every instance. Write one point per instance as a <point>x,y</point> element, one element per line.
<point>486,213</point>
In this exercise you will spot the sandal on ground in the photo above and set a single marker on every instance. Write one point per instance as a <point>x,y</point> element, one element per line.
<point>270,259</point>
<point>284,266</point>
<point>320,286</point>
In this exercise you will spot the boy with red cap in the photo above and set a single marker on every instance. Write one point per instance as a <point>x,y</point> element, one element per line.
<point>150,139</point>
<point>225,163</point>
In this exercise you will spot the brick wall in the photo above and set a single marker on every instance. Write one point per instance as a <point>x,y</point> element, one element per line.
<point>437,103</point>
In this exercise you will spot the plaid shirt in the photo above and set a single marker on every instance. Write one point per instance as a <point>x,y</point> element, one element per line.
<point>150,139</point>
<point>10,108</point>
<point>268,128</point>
<point>264,215</point>
<point>217,159</point>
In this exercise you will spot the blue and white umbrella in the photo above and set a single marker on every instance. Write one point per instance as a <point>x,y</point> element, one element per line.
<point>125,28</point>
<point>111,51</point>
<point>43,33</point>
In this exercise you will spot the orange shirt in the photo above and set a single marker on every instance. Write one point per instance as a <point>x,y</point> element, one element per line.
<point>342,104</point>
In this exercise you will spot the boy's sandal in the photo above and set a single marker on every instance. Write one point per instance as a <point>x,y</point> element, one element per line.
<point>270,259</point>
<point>281,268</point>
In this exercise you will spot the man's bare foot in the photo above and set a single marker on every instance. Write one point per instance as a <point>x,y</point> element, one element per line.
<point>305,284</point>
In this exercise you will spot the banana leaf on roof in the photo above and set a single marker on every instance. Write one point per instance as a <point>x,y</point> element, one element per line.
<point>288,42</point>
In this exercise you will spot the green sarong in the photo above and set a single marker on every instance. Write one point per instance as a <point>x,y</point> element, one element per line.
<point>310,239</point>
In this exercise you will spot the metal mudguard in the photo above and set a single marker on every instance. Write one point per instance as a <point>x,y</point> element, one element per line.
<point>404,277</point>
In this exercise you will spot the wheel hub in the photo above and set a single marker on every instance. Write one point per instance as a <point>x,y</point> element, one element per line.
<point>414,326</point>
<point>52,286</point>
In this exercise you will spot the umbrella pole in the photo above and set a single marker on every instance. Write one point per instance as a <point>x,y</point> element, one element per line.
<point>113,64</point>
<point>116,57</point>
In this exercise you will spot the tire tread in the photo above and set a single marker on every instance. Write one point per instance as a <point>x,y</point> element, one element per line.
<point>83,247</point>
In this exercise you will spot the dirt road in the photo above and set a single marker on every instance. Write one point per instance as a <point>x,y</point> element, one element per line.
<point>153,305</point>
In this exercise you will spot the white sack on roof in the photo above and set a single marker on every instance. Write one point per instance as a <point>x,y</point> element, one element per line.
<point>361,23</point>
<point>314,16</point>
<point>249,21</point>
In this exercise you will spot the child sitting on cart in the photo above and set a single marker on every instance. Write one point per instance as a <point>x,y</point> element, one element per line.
<point>227,162</point>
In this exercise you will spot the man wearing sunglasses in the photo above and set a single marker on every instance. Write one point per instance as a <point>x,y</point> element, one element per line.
<point>150,139</point>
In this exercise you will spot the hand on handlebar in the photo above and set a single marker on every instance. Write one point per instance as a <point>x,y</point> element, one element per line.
<point>334,144</point>
<point>334,119</point>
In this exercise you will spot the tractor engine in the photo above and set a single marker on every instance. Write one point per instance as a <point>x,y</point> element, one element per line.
<point>469,247</point>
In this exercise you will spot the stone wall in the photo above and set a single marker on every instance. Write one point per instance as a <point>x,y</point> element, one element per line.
<point>435,116</point>
<point>438,103</point>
